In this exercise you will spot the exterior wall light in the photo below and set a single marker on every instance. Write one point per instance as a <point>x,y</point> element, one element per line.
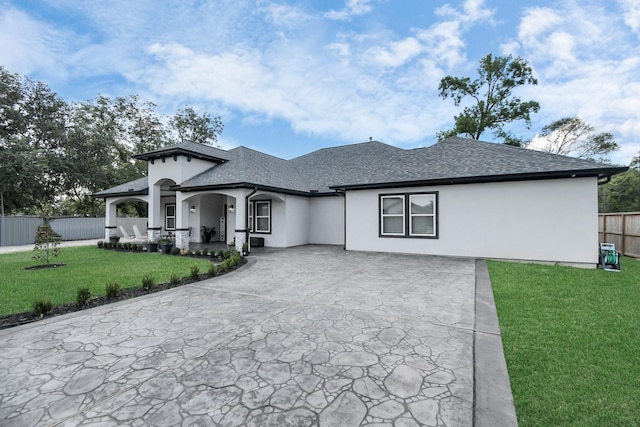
<point>192,209</point>
<point>231,209</point>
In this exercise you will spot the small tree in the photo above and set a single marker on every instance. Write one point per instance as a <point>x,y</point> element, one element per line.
<point>572,136</point>
<point>492,103</point>
<point>46,241</point>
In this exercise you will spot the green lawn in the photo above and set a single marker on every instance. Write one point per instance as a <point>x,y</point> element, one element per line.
<point>85,266</point>
<point>572,342</point>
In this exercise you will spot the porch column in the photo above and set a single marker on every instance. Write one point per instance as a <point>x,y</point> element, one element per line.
<point>155,218</point>
<point>182,222</point>
<point>241,224</point>
<point>110,224</point>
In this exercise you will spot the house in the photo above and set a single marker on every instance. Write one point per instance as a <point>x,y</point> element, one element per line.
<point>459,197</point>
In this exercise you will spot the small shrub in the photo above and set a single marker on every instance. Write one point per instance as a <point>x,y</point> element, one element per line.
<point>83,296</point>
<point>223,266</point>
<point>205,252</point>
<point>213,270</point>
<point>119,245</point>
<point>195,272</point>
<point>174,251</point>
<point>139,247</point>
<point>226,254</point>
<point>42,307</point>
<point>100,243</point>
<point>128,246</point>
<point>147,282</point>
<point>213,254</point>
<point>174,279</point>
<point>196,253</point>
<point>112,290</point>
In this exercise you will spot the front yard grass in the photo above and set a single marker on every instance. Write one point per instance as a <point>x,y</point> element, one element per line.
<point>571,339</point>
<point>86,266</point>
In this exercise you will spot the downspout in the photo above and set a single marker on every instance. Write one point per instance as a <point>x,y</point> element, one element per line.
<point>344,218</point>
<point>246,218</point>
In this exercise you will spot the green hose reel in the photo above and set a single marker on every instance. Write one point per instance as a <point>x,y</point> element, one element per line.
<point>609,259</point>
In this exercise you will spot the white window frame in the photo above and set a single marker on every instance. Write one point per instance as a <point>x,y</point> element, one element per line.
<point>251,217</point>
<point>167,216</point>
<point>256,216</point>
<point>432,215</point>
<point>383,215</point>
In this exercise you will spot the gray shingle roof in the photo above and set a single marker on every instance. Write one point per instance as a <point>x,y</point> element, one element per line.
<point>135,187</point>
<point>374,164</point>
<point>250,167</point>
<point>467,160</point>
<point>188,148</point>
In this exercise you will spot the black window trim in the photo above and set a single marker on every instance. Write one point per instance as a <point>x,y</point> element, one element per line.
<point>253,226</point>
<point>407,216</point>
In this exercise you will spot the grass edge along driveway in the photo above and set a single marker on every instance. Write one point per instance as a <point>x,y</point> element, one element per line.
<point>571,339</point>
<point>86,266</point>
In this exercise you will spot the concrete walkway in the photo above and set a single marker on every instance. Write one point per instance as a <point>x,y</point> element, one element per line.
<point>305,336</point>
<point>65,244</point>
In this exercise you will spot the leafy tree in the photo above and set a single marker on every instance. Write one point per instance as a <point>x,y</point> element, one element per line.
<point>493,104</point>
<point>32,137</point>
<point>54,152</point>
<point>622,193</point>
<point>572,136</point>
<point>200,128</point>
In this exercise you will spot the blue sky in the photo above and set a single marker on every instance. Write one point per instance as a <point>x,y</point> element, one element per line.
<point>289,77</point>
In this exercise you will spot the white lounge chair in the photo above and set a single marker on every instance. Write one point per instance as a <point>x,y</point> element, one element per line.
<point>138,234</point>
<point>125,234</point>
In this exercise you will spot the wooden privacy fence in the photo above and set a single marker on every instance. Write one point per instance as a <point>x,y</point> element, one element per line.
<point>21,230</point>
<point>622,229</point>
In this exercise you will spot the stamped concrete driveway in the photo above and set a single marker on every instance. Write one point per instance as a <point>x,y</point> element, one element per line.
<point>306,336</point>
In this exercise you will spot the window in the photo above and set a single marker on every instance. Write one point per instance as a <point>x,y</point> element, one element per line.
<point>170,217</point>
<point>409,215</point>
<point>422,214</point>
<point>260,216</point>
<point>392,220</point>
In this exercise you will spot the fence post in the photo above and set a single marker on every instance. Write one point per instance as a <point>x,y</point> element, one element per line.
<point>624,231</point>
<point>1,219</point>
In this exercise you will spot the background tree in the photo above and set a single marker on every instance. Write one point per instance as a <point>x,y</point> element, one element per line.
<point>32,138</point>
<point>572,136</point>
<point>492,103</point>
<point>52,152</point>
<point>200,128</point>
<point>622,193</point>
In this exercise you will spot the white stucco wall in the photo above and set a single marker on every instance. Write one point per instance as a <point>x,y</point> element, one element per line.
<point>177,170</point>
<point>326,220</point>
<point>297,220</point>
<point>546,220</point>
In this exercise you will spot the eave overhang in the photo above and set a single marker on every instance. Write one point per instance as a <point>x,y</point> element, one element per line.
<point>599,173</point>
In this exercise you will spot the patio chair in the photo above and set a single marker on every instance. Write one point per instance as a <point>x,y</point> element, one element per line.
<point>138,234</point>
<point>125,234</point>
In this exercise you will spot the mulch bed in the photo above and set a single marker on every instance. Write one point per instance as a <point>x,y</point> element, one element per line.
<point>18,319</point>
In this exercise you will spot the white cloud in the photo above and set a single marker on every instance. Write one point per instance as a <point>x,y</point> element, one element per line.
<point>586,66</point>
<point>352,8</point>
<point>30,46</point>
<point>631,13</point>
<point>397,53</point>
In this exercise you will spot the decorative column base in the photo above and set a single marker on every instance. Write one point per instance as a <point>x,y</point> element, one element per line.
<point>110,231</point>
<point>153,234</point>
<point>182,238</point>
<point>241,236</point>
